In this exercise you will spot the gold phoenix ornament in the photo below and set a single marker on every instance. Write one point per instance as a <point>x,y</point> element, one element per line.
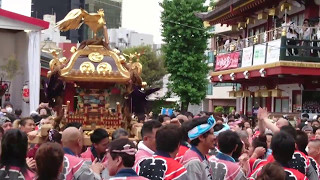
<point>75,18</point>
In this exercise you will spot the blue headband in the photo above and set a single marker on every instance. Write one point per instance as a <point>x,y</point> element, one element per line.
<point>195,132</point>
<point>225,127</point>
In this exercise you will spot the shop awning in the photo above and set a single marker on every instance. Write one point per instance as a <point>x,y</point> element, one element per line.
<point>14,21</point>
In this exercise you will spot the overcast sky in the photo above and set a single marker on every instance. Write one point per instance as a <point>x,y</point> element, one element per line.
<point>143,16</point>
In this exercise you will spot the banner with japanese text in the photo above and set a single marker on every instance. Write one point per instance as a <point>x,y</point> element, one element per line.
<point>227,61</point>
<point>247,56</point>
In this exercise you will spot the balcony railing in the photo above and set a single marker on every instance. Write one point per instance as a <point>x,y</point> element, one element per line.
<point>250,41</point>
<point>270,46</point>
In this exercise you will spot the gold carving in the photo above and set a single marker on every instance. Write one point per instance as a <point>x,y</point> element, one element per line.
<point>57,63</point>
<point>137,66</point>
<point>104,68</point>
<point>73,49</point>
<point>95,57</point>
<point>86,67</point>
<point>75,18</point>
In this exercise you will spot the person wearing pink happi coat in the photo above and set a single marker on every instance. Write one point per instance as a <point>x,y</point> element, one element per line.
<point>74,167</point>
<point>147,147</point>
<point>201,135</point>
<point>100,142</point>
<point>121,157</point>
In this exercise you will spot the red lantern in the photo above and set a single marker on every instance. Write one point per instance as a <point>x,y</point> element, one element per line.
<point>25,93</point>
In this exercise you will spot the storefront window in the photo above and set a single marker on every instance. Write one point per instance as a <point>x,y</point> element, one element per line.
<point>259,102</point>
<point>296,101</point>
<point>281,104</point>
<point>277,105</point>
<point>249,105</point>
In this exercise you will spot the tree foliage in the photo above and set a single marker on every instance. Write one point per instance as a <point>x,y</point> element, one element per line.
<point>152,65</point>
<point>11,69</point>
<point>186,42</point>
<point>219,109</point>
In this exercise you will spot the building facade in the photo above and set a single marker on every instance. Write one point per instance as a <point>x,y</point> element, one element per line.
<point>272,58</point>
<point>123,38</point>
<point>112,11</point>
<point>60,8</point>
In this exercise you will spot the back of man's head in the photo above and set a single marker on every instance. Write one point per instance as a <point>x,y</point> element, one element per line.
<point>149,126</point>
<point>70,137</point>
<point>162,117</point>
<point>185,127</point>
<point>289,130</point>
<point>168,138</point>
<point>302,141</point>
<point>120,133</point>
<point>227,141</point>
<point>98,135</point>
<point>74,124</point>
<point>283,146</point>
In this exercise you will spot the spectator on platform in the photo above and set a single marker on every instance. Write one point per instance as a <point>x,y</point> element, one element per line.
<point>13,163</point>
<point>227,44</point>
<point>306,31</point>
<point>240,43</point>
<point>49,160</point>
<point>100,142</point>
<point>292,33</point>
<point>120,133</point>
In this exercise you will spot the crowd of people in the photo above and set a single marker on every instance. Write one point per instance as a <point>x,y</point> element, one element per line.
<point>307,31</point>
<point>183,146</point>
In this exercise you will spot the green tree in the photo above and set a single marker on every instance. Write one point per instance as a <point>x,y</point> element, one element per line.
<point>152,65</point>
<point>186,41</point>
<point>219,109</point>
<point>213,3</point>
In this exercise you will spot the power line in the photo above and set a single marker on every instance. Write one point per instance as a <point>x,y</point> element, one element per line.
<point>193,27</point>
